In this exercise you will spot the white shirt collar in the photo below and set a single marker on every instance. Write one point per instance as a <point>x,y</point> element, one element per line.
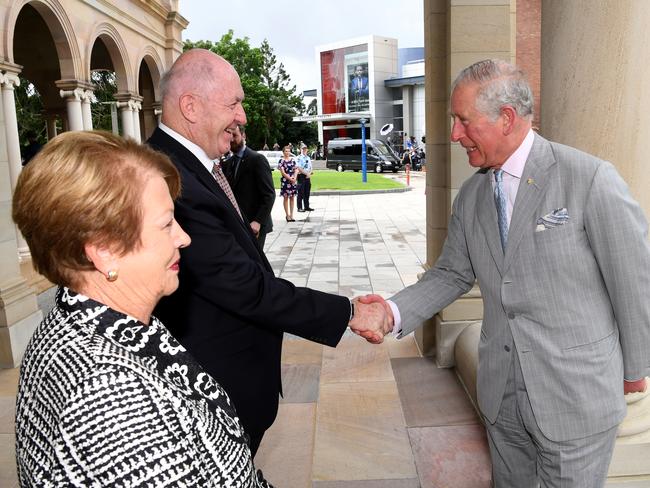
<point>190,146</point>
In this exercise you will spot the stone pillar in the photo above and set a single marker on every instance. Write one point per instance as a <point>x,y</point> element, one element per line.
<point>50,120</point>
<point>457,34</point>
<point>74,92</point>
<point>136,106</point>
<point>125,106</point>
<point>19,312</point>
<point>594,97</point>
<point>9,80</point>
<point>407,104</point>
<point>73,107</point>
<point>157,111</point>
<point>85,110</point>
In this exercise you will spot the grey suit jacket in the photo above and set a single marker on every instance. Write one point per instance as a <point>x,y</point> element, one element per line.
<point>574,298</point>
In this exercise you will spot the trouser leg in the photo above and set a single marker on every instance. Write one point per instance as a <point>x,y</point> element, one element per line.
<point>307,192</point>
<point>511,448</point>
<point>301,194</point>
<point>573,463</point>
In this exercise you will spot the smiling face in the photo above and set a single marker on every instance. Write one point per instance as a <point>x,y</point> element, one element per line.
<point>150,271</point>
<point>221,111</point>
<point>482,138</point>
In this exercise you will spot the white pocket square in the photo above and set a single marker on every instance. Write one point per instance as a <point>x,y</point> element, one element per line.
<point>557,217</point>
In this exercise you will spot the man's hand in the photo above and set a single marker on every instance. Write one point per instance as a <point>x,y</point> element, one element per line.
<point>371,321</point>
<point>255,227</point>
<point>634,386</point>
<point>373,298</point>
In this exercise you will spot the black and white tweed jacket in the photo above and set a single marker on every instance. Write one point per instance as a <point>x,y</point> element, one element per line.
<point>105,400</point>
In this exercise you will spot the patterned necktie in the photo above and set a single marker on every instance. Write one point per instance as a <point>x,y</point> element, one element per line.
<point>500,200</point>
<point>217,172</point>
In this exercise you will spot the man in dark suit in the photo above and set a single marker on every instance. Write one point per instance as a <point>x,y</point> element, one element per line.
<point>230,311</point>
<point>249,176</point>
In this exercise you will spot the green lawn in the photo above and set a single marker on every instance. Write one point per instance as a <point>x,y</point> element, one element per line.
<point>348,180</point>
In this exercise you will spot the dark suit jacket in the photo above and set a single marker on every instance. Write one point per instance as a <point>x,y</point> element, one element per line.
<point>230,311</point>
<point>253,187</point>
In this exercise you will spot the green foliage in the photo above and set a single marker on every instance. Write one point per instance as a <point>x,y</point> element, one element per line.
<point>348,180</point>
<point>29,111</point>
<point>270,101</point>
<point>105,89</point>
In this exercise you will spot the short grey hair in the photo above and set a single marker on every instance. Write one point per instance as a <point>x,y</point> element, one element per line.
<point>501,83</point>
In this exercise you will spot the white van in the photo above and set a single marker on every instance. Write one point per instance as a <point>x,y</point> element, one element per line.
<point>272,157</point>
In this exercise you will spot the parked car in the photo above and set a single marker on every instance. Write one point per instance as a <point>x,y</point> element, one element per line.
<point>345,154</point>
<point>272,157</point>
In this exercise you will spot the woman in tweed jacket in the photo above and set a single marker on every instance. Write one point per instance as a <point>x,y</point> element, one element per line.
<point>107,397</point>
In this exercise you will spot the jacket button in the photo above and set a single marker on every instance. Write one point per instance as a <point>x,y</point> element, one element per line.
<point>507,348</point>
<point>511,315</point>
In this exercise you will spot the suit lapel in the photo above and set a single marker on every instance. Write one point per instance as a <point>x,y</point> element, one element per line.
<point>532,186</point>
<point>487,215</point>
<point>183,156</point>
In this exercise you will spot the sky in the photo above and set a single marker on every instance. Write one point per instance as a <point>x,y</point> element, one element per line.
<point>295,28</point>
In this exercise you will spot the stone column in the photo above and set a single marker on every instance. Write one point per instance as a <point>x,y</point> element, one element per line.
<point>50,119</point>
<point>136,106</point>
<point>157,111</point>
<point>407,104</point>
<point>126,114</point>
<point>457,34</point>
<point>9,80</point>
<point>74,92</point>
<point>594,97</point>
<point>73,107</point>
<point>85,109</point>
<point>19,312</point>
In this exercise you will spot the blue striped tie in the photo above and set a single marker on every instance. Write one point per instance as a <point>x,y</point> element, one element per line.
<point>500,200</point>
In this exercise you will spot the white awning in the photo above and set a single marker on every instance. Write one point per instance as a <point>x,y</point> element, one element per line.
<point>332,117</point>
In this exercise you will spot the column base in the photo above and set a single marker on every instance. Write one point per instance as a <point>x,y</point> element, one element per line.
<point>14,339</point>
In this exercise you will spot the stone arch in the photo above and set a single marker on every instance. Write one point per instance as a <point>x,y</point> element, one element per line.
<point>118,53</point>
<point>60,28</point>
<point>152,59</point>
<point>149,71</point>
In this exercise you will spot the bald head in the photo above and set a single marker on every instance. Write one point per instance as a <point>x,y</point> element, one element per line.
<point>201,97</point>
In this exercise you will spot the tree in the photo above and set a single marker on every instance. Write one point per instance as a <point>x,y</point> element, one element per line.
<point>104,91</point>
<point>270,100</point>
<point>29,110</point>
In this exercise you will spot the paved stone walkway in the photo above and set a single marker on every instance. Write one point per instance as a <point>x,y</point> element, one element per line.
<point>364,416</point>
<point>358,416</point>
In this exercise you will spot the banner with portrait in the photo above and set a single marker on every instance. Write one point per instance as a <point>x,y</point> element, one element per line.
<point>357,88</point>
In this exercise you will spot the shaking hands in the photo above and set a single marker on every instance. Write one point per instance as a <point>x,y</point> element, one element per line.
<point>373,318</point>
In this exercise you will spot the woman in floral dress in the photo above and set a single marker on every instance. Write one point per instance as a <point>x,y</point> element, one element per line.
<point>288,185</point>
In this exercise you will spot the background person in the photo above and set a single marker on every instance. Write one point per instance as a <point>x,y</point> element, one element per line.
<point>107,397</point>
<point>250,178</point>
<point>559,248</point>
<point>230,310</point>
<point>288,182</point>
<point>305,170</point>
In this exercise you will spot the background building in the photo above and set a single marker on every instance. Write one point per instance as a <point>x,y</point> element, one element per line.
<point>55,46</point>
<point>370,78</point>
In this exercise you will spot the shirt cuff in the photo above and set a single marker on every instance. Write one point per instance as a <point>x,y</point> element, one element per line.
<point>397,318</point>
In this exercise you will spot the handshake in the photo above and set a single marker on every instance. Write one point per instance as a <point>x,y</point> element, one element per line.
<point>373,318</point>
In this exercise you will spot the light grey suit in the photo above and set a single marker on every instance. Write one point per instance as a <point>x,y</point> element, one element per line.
<point>574,298</point>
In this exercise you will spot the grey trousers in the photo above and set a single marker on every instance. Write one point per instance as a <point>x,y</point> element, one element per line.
<point>522,457</point>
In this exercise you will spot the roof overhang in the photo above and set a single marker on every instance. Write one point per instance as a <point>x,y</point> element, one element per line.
<point>332,117</point>
<point>410,80</point>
